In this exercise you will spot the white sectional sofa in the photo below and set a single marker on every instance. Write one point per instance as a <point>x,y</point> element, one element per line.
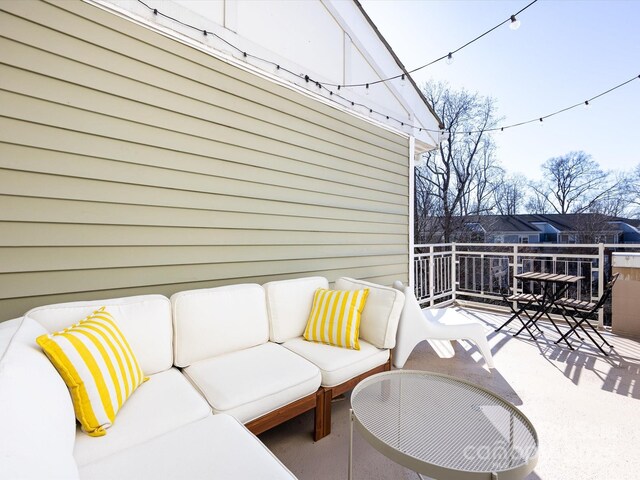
<point>216,358</point>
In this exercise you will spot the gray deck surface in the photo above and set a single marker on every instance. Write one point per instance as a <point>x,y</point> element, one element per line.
<point>584,406</point>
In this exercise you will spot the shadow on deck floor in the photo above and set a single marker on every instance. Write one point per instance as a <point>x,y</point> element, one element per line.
<point>584,406</point>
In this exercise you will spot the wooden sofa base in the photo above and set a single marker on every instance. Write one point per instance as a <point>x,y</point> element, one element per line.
<point>332,392</point>
<point>320,401</point>
<point>282,414</point>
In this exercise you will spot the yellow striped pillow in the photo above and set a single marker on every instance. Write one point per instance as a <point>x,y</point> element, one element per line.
<point>335,317</point>
<point>98,366</point>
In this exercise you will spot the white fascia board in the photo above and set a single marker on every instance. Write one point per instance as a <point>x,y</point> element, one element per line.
<point>144,18</point>
<point>348,15</point>
<point>621,225</point>
<point>545,223</point>
<point>476,224</point>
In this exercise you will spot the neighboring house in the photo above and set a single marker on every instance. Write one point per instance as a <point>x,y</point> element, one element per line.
<point>551,228</point>
<point>138,155</point>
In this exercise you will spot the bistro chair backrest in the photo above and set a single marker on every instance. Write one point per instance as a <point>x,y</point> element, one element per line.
<point>607,291</point>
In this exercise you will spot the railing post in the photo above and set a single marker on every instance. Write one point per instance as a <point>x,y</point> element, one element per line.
<point>514,280</point>
<point>600,282</point>
<point>453,272</point>
<point>482,273</point>
<point>412,266</point>
<point>431,275</point>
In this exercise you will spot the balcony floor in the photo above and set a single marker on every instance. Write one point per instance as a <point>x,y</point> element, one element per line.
<point>584,406</point>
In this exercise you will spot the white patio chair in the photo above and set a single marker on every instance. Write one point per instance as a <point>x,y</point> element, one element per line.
<point>435,324</point>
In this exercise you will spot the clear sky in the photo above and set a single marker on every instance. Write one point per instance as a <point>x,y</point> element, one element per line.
<point>563,53</point>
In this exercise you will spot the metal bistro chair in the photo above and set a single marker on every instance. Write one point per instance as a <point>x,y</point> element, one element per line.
<point>581,310</point>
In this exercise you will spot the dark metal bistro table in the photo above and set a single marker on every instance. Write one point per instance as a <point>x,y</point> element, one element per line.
<point>553,286</point>
<point>443,427</point>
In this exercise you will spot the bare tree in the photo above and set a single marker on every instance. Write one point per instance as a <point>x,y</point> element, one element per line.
<point>485,181</point>
<point>510,194</point>
<point>630,192</point>
<point>573,183</point>
<point>458,173</point>
<point>536,201</point>
<point>618,198</point>
<point>426,209</point>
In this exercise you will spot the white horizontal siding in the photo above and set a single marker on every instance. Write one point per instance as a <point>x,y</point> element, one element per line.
<point>130,164</point>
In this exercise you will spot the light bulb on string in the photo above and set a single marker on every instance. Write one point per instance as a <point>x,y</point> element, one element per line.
<point>587,105</point>
<point>249,57</point>
<point>366,91</point>
<point>515,23</point>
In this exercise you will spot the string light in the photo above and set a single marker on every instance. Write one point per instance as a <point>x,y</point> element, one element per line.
<point>402,77</point>
<point>446,56</point>
<point>515,23</point>
<point>449,58</point>
<point>566,109</point>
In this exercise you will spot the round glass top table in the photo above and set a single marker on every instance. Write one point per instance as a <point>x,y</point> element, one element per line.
<point>442,427</point>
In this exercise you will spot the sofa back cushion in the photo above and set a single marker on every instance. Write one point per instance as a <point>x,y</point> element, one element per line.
<point>381,314</point>
<point>37,423</point>
<point>289,304</point>
<point>144,320</point>
<point>212,321</point>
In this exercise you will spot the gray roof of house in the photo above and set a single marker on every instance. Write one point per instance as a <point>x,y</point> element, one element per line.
<point>525,223</point>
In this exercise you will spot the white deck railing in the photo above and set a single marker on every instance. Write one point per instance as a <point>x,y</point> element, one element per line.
<point>482,272</point>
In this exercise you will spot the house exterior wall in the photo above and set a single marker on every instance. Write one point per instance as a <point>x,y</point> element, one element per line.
<point>131,163</point>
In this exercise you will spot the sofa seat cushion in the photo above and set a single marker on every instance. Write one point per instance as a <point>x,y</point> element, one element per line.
<point>252,382</point>
<point>217,447</point>
<point>338,364</point>
<point>163,403</point>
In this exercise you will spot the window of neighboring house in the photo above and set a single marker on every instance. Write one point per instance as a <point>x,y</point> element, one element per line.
<point>567,238</point>
<point>524,239</point>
